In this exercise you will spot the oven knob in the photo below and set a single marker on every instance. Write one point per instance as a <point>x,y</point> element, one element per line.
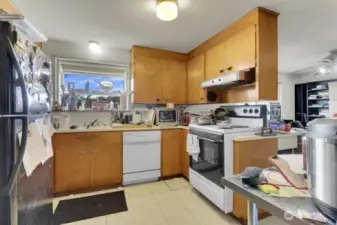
<point>251,111</point>
<point>256,111</point>
<point>245,110</point>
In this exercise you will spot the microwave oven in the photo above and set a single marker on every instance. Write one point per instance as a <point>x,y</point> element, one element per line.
<point>167,116</point>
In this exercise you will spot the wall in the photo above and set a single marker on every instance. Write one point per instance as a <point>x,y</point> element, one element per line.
<point>82,118</point>
<point>81,51</point>
<point>286,95</point>
<point>287,89</point>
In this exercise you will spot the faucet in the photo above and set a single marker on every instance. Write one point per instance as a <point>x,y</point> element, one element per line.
<point>95,122</point>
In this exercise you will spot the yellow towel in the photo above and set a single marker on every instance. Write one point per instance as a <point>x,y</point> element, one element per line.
<point>268,189</point>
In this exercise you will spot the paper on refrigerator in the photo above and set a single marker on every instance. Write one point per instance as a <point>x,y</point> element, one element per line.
<point>39,145</point>
<point>47,133</point>
<point>35,149</point>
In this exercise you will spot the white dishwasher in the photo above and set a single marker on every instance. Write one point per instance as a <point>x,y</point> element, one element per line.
<point>141,156</point>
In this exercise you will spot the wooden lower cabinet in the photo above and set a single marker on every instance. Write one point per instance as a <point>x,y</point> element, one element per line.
<point>250,153</point>
<point>87,161</point>
<point>170,149</point>
<point>184,157</point>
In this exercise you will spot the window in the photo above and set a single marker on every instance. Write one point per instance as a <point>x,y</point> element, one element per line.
<point>93,84</point>
<point>83,86</point>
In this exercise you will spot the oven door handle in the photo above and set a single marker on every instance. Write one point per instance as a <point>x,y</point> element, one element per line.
<point>210,140</point>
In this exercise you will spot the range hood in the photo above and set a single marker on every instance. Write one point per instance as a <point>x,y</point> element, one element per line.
<point>230,80</point>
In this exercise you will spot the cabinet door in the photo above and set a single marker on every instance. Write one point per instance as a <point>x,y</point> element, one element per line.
<point>147,75</point>
<point>195,76</point>
<point>106,164</point>
<point>85,161</point>
<point>171,142</point>
<point>174,81</point>
<point>184,157</point>
<point>215,61</point>
<point>241,50</point>
<point>72,160</point>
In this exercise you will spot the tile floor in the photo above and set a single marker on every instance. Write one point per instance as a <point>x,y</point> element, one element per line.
<point>171,202</point>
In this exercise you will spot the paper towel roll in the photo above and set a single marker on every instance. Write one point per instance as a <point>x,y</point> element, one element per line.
<point>122,101</point>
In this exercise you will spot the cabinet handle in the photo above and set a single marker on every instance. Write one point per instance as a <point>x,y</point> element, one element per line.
<point>222,71</point>
<point>201,98</point>
<point>230,68</point>
<point>157,99</point>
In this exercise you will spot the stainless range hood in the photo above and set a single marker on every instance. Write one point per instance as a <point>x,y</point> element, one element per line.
<point>230,80</point>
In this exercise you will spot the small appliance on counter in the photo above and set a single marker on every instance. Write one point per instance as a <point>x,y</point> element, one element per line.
<point>322,165</point>
<point>164,116</point>
<point>127,118</point>
<point>186,119</point>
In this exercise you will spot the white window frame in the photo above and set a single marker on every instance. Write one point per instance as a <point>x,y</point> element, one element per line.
<point>58,74</point>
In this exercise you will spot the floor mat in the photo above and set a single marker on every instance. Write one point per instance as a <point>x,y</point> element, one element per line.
<point>78,209</point>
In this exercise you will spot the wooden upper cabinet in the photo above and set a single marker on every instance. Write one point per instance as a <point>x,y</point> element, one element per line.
<point>147,75</point>
<point>171,146</point>
<point>159,76</point>
<point>195,76</point>
<point>215,61</point>
<point>174,81</point>
<point>241,50</point>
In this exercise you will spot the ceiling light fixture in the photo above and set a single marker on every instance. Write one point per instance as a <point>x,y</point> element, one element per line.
<point>167,10</point>
<point>95,47</point>
<point>322,70</point>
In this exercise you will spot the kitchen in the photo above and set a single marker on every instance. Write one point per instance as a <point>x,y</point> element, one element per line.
<point>100,154</point>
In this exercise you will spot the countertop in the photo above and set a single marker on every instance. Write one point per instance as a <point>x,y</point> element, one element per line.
<point>120,128</point>
<point>258,137</point>
<point>274,205</point>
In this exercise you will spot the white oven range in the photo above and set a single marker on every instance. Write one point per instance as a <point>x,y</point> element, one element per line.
<point>216,158</point>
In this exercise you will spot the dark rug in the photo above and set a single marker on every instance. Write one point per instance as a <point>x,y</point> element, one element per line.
<point>78,209</point>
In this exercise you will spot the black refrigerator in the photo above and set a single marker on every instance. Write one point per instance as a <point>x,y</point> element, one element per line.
<point>24,98</point>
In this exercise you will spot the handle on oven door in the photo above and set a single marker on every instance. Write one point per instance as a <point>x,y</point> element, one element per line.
<point>24,118</point>
<point>210,140</point>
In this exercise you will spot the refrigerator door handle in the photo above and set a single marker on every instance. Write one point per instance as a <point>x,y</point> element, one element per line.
<point>22,149</point>
<point>24,133</point>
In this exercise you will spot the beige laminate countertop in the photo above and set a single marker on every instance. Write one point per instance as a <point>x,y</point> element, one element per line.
<point>120,128</point>
<point>258,137</point>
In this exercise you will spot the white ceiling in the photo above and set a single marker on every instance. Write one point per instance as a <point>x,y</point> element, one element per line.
<point>307,28</point>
